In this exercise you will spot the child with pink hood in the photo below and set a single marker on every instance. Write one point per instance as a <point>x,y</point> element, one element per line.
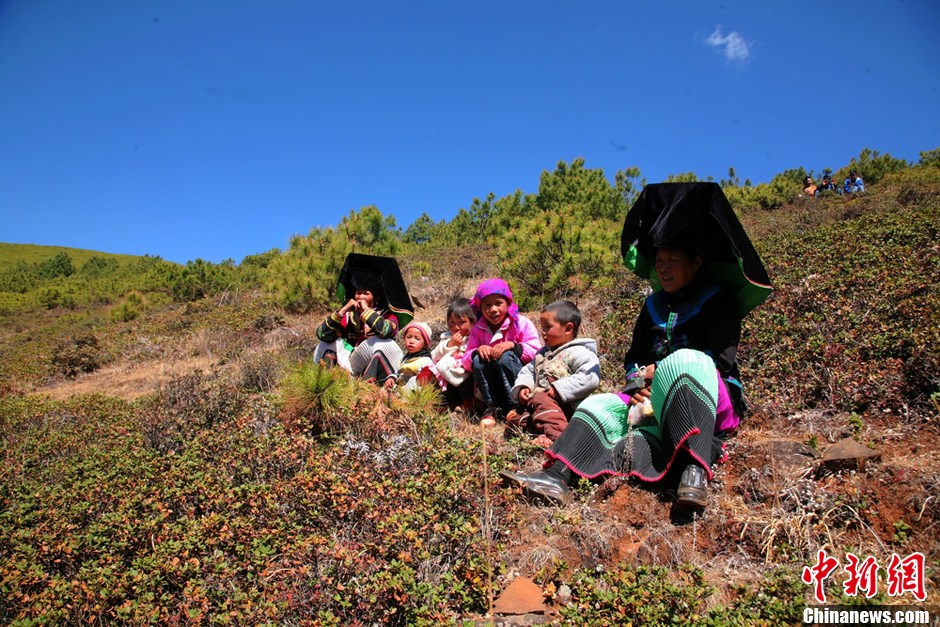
<point>501,342</point>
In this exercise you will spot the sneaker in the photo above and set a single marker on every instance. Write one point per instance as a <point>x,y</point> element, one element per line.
<point>490,416</point>
<point>693,487</point>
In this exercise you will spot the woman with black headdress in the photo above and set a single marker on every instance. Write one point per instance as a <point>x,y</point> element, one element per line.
<point>360,335</point>
<point>681,366</point>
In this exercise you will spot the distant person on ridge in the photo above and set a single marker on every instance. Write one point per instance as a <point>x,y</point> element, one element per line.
<point>828,185</point>
<point>809,189</point>
<point>853,183</point>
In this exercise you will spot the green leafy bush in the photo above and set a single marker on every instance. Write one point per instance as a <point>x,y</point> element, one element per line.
<point>247,524</point>
<point>304,277</point>
<point>557,256</point>
<point>129,309</point>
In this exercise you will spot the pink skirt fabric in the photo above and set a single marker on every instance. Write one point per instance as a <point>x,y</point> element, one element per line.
<point>725,417</point>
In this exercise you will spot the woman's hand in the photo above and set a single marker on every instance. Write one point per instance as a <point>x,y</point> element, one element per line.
<point>349,306</point>
<point>645,392</point>
<point>641,395</point>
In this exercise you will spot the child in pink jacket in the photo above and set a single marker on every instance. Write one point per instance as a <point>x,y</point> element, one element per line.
<point>501,342</point>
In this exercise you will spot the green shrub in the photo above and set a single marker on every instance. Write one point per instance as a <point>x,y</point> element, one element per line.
<point>317,398</point>
<point>199,278</point>
<point>130,309</point>
<point>643,596</point>
<point>557,256</point>
<point>930,158</point>
<point>304,277</point>
<point>248,524</point>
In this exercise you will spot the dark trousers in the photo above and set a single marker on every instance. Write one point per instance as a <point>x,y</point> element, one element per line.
<point>494,379</point>
<point>459,395</point>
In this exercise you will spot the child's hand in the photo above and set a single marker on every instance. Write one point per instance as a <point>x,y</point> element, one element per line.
<point>485,352</point>
<point>525,394</point>
<point>456,340</point>
<point>498,350</point>
<point>390,383</point>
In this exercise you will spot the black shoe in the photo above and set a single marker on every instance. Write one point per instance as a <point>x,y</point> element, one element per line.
<point>693,487</point>
<point>539,486</point>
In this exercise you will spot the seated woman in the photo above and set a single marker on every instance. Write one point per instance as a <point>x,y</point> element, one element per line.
<point>360,335</point>
<point>682,358</point>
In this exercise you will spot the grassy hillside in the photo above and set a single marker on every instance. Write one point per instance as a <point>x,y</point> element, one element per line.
<point>201,471</point>
<point>11,254</point>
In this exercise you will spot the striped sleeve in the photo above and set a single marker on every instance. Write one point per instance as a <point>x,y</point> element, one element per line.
<point>331,329</point>
<point>383,326</point>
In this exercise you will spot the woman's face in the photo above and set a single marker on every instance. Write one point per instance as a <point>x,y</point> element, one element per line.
<point>367,296</point>
<point>675,268</point>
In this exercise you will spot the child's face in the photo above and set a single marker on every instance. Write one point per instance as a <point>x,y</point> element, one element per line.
<point>414,341</point>
<point>494,308</point>
<point>461,325</point>
<point>365,295</point>
<point>554,333</point>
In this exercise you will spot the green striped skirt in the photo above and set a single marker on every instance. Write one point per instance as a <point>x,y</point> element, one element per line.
<point>600,441</point>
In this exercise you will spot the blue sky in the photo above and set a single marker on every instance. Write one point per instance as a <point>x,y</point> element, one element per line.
<point>217,129</point>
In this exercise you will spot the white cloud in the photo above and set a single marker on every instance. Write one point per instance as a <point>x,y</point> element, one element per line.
<point>736,48</point>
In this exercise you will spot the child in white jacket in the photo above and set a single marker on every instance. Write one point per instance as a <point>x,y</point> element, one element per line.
<point>455,381</point>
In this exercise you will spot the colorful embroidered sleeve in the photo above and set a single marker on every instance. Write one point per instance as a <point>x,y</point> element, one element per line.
<point>332,328</point>
<point>384,326</point>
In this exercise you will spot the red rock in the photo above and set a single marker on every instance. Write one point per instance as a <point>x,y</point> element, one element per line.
<point>848,453</point>
<point>522,596</point>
